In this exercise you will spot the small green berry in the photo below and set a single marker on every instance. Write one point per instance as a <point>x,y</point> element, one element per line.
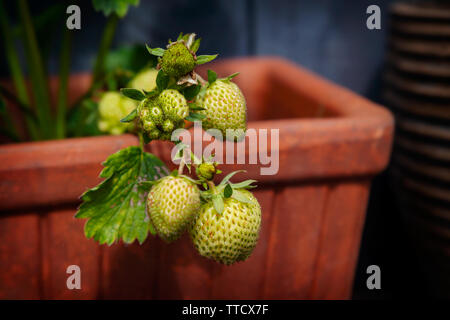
<point>177,60</point>
<point>167,125</point>
<point>206,171</point>
<point>154,134</point>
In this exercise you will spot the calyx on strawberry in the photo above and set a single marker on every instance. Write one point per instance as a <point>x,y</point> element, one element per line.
<point>227,226</point>
<point>172,203</point>
<point>163,113</point>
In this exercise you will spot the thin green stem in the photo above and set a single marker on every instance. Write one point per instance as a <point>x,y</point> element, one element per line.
<point>15,69</point>
<point>105,44</point>
<point>141,141</point>
<point>64,69</point>
<point>211,186</point>
<point>36,70</point>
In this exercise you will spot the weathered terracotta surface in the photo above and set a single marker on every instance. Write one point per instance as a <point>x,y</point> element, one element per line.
<point>332,142</point>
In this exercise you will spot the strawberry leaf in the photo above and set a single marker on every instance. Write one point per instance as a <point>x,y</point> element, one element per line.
<point>206,58</point>
<point>116,208</point>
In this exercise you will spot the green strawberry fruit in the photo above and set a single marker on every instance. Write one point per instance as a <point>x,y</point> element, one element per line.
<point>177,60</point>
<point>112,107</point>
<point>144,80</point>
<point>172,204</point>
<point>230,236</point>
<point>225,108</point>
<point>173,104</point>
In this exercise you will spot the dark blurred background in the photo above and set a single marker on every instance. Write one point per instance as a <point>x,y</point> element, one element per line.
<point>329,37</point>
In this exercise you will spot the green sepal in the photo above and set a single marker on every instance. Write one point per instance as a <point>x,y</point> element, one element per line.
<point>159,52</point>
<point>212,76</point>
<point>189,179</point>
<point>116,208</point>
<point>218,204</point>
<point>195,45</point>
<point>191,92</point>
<point>244,184</point>
<point>231,76</point>
<point>195,116</point>
<point>228,191</point>
<point>205,58</point>
<point>134,94</point>
<point>229,176</point>
<point>130,117</point>
<point>239,196</point>
<point>195,107</point>
<point>149,94</point>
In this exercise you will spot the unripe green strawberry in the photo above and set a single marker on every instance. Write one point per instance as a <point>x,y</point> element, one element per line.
<point>144,80</point>
<point>172,204</point>
<point>154,133</point>
<point>167,125</point>
<point>173,104</point>
<point>225,108</point>
<point>112,107</point>
<point>230,236</point>
<point>206,170</point>
<point>177,60</point>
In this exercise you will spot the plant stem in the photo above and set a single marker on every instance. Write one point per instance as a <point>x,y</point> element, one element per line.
<point>36,70</point>
<point>15,70</point>
<point>211,186</point>
<point>141,141</point>
<point>64,69</point>
<point>105,44</point>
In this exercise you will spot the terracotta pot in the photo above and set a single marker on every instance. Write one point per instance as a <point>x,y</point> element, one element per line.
<point>332,142</point>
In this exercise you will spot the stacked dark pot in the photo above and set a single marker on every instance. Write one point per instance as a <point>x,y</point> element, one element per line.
<point>417,89</point>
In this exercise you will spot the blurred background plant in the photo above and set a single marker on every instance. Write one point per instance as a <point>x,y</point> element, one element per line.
<point>112,69</point>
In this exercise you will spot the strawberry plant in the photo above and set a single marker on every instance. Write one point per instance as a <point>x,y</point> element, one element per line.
<point>111,70</point>
<point>138,195</point>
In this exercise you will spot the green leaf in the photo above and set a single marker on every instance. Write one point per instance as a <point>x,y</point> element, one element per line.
<point>218,203</point>
<point>134,94</point>
<point>229,176</point>
<point>212,76</point>
<point>159,52</point>
<point>205,58</point>
<point>119,7</point>
<point>130,117</point>
<point>162,80</point>
<point>228,191</point>
<point>243,185</point>
<point>116,207</point>
<point>195,117</point>
<point>239,196</point>
<point>191,92</point>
